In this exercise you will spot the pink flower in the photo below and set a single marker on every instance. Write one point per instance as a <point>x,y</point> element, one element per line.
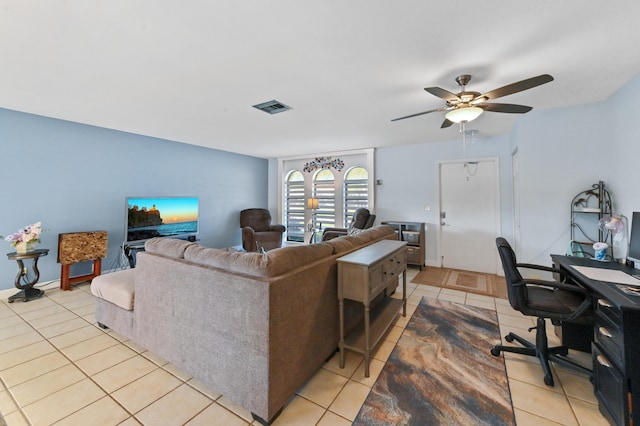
<point>30,233</point>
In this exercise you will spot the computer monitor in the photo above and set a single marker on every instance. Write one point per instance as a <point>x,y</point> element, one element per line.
<point>634,241</point>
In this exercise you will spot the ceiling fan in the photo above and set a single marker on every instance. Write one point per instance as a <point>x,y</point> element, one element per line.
<point>466,106</point>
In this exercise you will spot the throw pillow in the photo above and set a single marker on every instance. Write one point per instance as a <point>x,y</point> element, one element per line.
<point>354,231</point>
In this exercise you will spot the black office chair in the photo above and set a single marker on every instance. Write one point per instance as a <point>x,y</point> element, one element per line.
<point>555,300</point>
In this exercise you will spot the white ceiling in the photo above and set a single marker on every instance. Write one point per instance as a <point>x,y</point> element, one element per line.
<point>190,71</point>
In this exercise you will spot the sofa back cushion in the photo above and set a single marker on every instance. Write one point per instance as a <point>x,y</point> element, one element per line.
<point>167,247</point>
<point>288,259</point>
<point>341,244</point>
<point>349,243</point>
<point>232,261</point>
<point>274,263</point>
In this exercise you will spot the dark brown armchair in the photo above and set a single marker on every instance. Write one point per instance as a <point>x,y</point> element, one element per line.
<point>362,219</point>
<point>258,232</point>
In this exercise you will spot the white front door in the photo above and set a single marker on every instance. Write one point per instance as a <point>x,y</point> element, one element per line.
<point>470,214</point>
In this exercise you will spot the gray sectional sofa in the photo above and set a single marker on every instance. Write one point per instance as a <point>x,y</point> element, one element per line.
<point>253,327</point>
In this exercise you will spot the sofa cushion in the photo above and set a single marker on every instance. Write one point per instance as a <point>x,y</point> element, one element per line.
<point>273,263</point>
<point>232,261</point>
<point>371,234</point>
<point>341,245</point>
<point>168,247</point>
<point>116,287</point>
<point>286,259</point>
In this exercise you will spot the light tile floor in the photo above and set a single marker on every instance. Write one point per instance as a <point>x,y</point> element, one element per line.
<point>58,367</point>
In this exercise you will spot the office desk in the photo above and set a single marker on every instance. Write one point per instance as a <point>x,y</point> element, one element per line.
<point>616,340</point>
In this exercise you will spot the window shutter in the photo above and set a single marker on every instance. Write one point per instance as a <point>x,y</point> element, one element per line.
<point>294,207</point>
<point>356,192</point>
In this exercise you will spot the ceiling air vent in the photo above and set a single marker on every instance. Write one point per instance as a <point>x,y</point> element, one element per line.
<point>272,107</point>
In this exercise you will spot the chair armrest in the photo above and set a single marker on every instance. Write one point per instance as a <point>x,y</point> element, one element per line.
<point>584,306</point>
<point>339,230</point>
<point>330,235</point>
<point>543,268</point>
<point>555,284</point>
<point>539,267</point>
<point>277,228</point>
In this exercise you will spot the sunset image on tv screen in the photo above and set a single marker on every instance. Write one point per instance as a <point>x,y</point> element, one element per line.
<point>149,217</point>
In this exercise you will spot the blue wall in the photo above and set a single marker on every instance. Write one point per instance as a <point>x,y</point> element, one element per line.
<point>564,151</point>
<point>409,180</point>
<point>74,177</point>
<point>561,152</point>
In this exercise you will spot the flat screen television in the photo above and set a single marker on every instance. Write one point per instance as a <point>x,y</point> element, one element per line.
<point>634,240</point>
<point>149,217</point>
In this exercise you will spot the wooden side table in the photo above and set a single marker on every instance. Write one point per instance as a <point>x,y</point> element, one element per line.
<point>76,247</point>
<point>27,292</point>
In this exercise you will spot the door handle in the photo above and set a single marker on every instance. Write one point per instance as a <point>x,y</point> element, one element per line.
<point>443,223</point>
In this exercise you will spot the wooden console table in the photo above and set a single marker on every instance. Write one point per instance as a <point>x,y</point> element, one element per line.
<point>363,275</point>
<point>27,292</point>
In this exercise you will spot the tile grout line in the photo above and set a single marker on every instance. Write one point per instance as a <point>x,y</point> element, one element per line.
<point>410,292</point>
<point>107,394</point>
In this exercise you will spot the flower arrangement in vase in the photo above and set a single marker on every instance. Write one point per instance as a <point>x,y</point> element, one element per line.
<point>25,239</point>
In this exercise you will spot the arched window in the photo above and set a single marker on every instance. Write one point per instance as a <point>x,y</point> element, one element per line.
<point>324,190</point>
<point>356,192</point>
<point>294,206</point>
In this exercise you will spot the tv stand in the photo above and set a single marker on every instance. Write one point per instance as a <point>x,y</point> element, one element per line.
<point>130,250</point>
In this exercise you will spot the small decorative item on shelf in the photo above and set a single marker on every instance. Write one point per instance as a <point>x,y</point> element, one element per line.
<point>600,251</point>
<point>26,239</point>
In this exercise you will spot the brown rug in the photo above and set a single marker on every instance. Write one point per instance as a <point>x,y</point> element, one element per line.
<point>472,282</point>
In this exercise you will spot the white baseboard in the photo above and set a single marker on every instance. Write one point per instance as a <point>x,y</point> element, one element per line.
<point>47,285</point>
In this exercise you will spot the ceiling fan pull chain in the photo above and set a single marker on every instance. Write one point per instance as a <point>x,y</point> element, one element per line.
<point>464,140</point>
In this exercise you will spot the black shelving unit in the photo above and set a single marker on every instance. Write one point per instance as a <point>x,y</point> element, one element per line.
<point>587,208</point>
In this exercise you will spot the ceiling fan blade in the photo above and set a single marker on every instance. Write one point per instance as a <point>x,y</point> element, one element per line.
<point>518,86</point>
<point>446,123</point>
<point>508,108</point>
<point>421,113</point>
<point>443,94</point>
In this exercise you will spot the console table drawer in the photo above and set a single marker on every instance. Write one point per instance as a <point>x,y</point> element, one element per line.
<point>605,309</point>
<point>394,265</point>
<point>610,337</point>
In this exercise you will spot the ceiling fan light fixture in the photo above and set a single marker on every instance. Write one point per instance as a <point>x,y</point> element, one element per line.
<point>479,100</point>
<point>465,114</point>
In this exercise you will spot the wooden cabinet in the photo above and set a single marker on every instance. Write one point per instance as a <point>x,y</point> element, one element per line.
<point>413,234</point>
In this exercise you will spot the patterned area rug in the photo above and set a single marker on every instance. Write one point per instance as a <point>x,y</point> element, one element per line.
<point>473,282</point>
<point>441,372</point>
